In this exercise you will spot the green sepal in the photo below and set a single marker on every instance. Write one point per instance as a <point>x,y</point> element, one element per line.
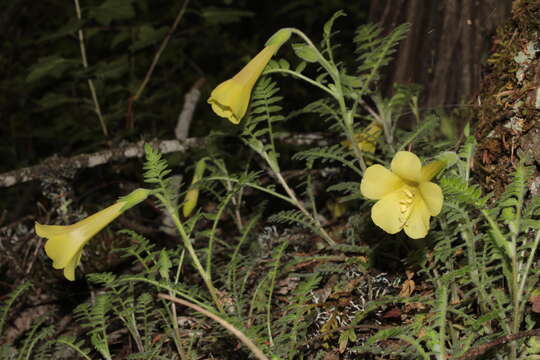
<point>449,157</point>
<point>279,38</point>
<point>134,198</point>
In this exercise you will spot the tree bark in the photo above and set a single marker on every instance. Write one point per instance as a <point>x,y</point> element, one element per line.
<point>446,44</point>
<point>508,129</point>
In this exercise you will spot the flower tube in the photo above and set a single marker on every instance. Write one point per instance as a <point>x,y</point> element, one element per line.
<point>65,243</point>
<point>230,99</point>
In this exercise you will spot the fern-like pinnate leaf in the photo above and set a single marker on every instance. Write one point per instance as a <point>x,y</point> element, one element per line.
<point>328,154</point>
<point>374,51</point>
<point>264,105</point>
<point>294,217</point>
<point>455,188</point>
<point>10,300</point>
<point>156,168</point>
<point>95,318</point>
<point>157,172</point>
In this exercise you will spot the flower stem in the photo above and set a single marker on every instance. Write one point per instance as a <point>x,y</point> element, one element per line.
<point>240,335</point>
<point>173,212</point>
<point>301,77</point>
<point>300,205</point>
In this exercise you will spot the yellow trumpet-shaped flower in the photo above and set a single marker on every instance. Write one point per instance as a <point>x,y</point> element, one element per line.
<point>65,243</point>
<point>407,198</point>
<point>230,99</point>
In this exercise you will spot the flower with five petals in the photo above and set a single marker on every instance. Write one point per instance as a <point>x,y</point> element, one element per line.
<point>406,197</point>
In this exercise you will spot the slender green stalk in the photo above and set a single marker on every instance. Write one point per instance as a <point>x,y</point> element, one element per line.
<point>301,77</point>
<point>240,335</point>
<point>530,259</point>
<point>172,313</point>
<point>255,186</point>
<point>442,298</point>
<point>76,348</point>
<point>173,212</point>
<point>349,132</point>
<point>300,205</point>
<point>222,208</point>
<point>336,92</point>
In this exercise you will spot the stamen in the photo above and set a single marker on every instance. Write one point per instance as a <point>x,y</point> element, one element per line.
<point>408,193</point>
<point>405,205</point>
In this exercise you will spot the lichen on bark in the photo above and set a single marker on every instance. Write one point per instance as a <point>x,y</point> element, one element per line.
<point>508,113</point>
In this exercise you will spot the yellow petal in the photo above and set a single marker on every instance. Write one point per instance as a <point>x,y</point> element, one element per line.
<point>417,225</point>
<point>62,248</point>
<point>378,182</point>
<point>387,214</point>
<point>230,99</point>
<point>406,165</point>
<point>69,270</point>
<point>433,197</point>
<point>65,243</point>
<point>251,72</point>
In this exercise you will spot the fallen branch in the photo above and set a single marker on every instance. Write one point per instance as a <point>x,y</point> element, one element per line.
<point>186,116</point>
<point>57,164</point>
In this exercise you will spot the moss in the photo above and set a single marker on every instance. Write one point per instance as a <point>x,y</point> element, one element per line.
<point>508,97</point>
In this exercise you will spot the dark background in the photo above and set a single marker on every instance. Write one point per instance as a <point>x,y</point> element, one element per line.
<point>46,107</point>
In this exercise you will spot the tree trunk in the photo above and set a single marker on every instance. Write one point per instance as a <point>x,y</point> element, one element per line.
<point>508,128</point>
<point>445,46</point>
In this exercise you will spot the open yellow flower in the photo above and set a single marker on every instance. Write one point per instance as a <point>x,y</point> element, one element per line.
<point>407,198</point>
<point>65,243</point>
<point>230,99</point>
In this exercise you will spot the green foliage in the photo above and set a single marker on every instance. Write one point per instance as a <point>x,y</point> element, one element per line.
<point>156,168</point>
<point>499,241</point>
<point>333,153</point>
<point>374,51</point>
<point>8,303</point>
<point>227,260</point>
<point>95,318</point>
<point>292,327</point>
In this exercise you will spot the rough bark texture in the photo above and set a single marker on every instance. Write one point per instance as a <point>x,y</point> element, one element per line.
<point>445,47</point>
<point>507,120</point>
